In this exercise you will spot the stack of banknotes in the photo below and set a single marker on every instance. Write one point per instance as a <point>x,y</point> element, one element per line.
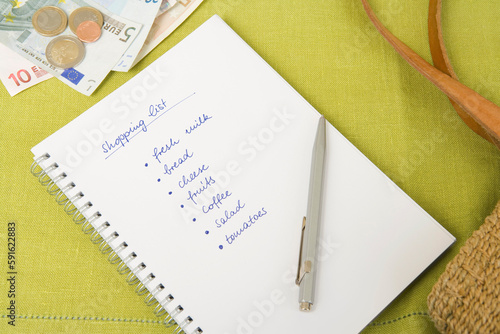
<point>129,30</point>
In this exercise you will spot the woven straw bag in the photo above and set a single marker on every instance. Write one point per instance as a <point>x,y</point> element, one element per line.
<point>466,298</point>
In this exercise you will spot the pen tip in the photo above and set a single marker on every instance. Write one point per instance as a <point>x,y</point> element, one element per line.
<point>305,306</point>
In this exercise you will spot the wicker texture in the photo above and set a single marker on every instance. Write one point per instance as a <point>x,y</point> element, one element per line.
<point>466,298</point>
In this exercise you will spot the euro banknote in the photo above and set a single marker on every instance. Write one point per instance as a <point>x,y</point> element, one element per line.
<point>18,34</point>
<point>143,12</point>
<point>17,73</point>
<point>174,13</point>
<point>165,5</point>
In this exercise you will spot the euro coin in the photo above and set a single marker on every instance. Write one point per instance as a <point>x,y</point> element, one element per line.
<point>49,21</point>
<point>83,14</point>
<point>88,31</point>
<point>65,51</point>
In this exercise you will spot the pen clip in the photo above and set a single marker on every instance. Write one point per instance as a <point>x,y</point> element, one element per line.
<point>305,267</point>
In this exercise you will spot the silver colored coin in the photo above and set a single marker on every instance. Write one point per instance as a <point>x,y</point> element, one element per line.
<point>49,21</point>
<point>65,51</point>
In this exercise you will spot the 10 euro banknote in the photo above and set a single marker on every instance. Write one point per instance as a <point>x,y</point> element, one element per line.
<point>17,73</point>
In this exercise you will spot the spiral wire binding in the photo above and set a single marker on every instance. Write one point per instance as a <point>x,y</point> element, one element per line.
<point>95,234</point>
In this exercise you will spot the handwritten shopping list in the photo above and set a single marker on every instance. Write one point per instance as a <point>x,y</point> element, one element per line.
<point>175,165</point>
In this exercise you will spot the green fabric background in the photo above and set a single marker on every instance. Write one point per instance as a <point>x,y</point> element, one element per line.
<point>330,53</point>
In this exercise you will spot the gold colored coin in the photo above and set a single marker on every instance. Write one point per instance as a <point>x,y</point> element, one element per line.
<point>83,14</point>
<point>88,31</point>
<point>49,21</point>
<point>65,51</point>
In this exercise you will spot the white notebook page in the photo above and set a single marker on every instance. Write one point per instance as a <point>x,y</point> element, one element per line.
<point>201,164</point>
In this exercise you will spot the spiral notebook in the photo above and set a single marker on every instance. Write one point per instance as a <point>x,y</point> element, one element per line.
<point>193,176</point>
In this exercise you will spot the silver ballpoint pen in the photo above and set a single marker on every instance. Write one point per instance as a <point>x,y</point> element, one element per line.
<point>306,273</point>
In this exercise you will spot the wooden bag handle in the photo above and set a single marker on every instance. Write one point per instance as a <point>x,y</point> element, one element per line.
<point>480,114</point>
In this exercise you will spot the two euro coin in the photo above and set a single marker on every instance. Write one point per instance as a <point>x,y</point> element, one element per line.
<point>65,51</point>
